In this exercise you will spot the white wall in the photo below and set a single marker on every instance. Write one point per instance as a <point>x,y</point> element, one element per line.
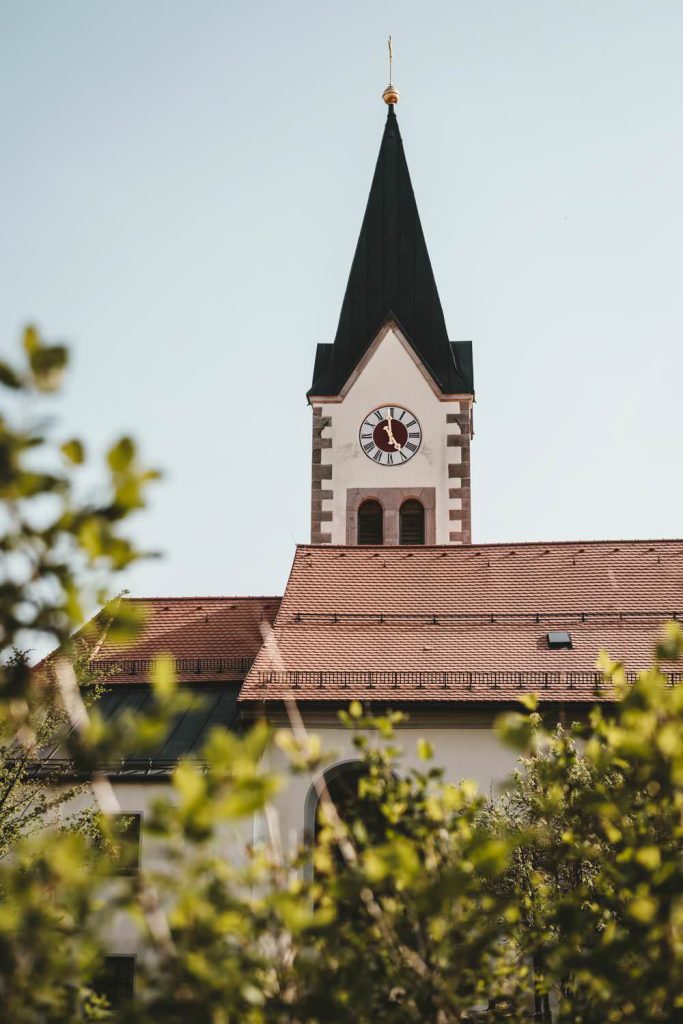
<point>123,937</point>
<point>390,377</point>
<point>469,749</point>
<point>465,745</point>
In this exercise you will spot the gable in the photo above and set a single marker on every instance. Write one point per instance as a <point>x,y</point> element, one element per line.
<point>390,368</point>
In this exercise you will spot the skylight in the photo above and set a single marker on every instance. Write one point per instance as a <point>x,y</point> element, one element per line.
<point>559,639</point>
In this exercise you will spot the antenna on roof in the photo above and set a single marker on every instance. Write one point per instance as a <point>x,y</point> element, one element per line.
<point>391,95</point>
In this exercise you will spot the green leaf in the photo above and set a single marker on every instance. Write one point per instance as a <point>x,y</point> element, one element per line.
<point>425,751</point>
<point>649,856</point>
<point>670,647</point>
<point>163,678</point>
<point>189,782</point>
<point>355,709</point>
<point>48,363</point>
<point>74,451</point>
<point>121,454</point>
<point>643,909</point>
<point>31,339</point>
<point>398,859</point>
<point>8,377</point>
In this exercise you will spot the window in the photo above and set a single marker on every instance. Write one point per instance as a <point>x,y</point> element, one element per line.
<point>559,639</point>
<point>116,980</point>
<point>412,523</point>
<point>125,843</point>
<point>370,523</point>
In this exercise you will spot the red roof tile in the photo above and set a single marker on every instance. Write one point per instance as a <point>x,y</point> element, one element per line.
<point>209,637</point>
<point>465,623</point>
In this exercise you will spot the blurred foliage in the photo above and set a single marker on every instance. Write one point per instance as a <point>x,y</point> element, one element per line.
<point>598,868</point>
<point>415,900</point>
<point>58,548</point>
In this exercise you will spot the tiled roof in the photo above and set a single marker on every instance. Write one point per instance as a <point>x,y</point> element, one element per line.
<point>210,638</point>
<point>464,623</point>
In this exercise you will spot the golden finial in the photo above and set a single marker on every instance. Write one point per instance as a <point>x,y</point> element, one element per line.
<point>391,94</point>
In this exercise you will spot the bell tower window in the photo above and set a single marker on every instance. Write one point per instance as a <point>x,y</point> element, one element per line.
<point>370,523</point>
<point>412,523</point>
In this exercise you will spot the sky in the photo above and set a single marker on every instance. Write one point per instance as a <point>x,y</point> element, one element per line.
<point>182,188</point>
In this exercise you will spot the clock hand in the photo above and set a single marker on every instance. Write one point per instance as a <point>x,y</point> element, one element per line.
<point>390,436</point>
<point>387,427</point>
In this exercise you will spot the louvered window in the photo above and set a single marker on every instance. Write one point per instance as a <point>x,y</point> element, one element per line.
<point>116,981</point>
<point>370,523</point>
<point>412,523</point>
<point>125,843</point>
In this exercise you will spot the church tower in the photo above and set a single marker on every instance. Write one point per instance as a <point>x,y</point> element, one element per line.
<point>391,396</point>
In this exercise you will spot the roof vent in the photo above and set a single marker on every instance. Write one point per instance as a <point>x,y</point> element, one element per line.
<point>560,640</point>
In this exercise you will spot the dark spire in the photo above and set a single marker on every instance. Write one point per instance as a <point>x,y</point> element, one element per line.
<point>391,278</point>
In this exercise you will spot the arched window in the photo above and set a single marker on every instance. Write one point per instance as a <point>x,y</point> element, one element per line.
<point>412,523</point>
<point>370,523</point>
<point>342,786</point>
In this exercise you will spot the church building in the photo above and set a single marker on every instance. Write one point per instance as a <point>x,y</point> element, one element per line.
<point>391,602</point>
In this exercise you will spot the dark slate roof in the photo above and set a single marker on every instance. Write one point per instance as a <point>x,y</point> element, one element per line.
<point>391,279</point>
<point>217,705</point>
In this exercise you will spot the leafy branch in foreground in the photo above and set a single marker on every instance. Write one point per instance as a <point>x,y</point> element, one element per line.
<point>599,875</point>
<point>58,549</point>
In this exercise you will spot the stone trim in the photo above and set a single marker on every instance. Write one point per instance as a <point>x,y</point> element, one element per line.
<point>320,472</point>
<point>391,499</point>
<point>458,437</point>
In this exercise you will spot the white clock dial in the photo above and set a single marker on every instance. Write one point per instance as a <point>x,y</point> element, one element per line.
<point>390,435</point>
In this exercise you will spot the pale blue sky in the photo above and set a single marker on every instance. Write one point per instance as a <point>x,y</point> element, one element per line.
<point>182,187</point>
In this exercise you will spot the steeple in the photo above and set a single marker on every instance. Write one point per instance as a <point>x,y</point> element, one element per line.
<point>392,279</point>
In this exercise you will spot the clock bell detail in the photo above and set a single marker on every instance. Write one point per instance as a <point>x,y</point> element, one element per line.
<point>392,395</point>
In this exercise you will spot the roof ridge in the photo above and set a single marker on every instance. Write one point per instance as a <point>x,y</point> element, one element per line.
<point>490,544</point>
<point>209,597</point>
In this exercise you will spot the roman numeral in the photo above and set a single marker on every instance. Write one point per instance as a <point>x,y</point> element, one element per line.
<point>411,446</point>
<point>379,414</point>
<point>390,459</point>
<point>391,411</point>
<point>404,457</point>
<point>412,423</point>
<point>365,437</point>
<point>369,447</point>
<point>415,433</point>
<point>403,412</point>
<point>377,456</point>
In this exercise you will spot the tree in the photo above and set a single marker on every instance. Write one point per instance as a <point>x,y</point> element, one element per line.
<point>599,872</point>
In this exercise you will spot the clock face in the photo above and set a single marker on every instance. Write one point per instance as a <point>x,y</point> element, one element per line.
<point>390,435</point>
